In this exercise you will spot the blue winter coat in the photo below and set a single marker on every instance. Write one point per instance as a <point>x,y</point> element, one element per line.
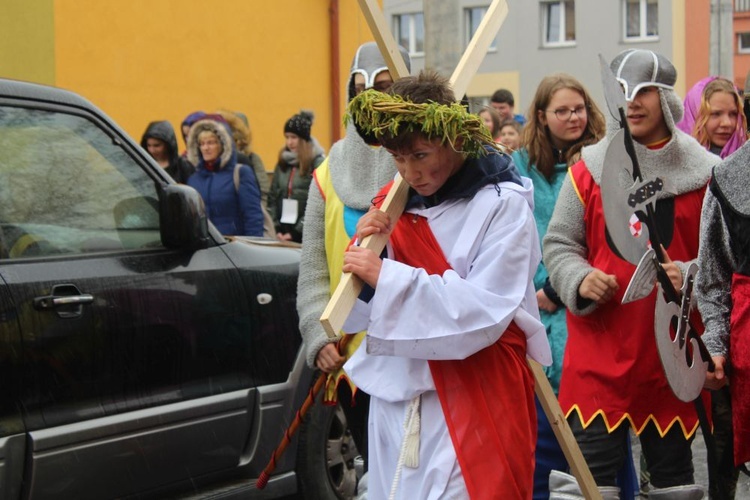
<point>234,210</point>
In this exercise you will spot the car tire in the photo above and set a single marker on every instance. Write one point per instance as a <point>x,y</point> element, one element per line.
<point>325,455</point>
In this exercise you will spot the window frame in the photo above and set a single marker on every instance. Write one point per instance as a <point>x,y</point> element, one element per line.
<point>741,48</point>
<point>468,29</point>
<point>643,22</point>
<point>100,130</point>
<point>397,21</point>
<point>561,41</point>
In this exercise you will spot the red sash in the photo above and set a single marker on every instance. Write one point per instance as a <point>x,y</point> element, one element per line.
<point>487,398</point>
<point>739,377</point>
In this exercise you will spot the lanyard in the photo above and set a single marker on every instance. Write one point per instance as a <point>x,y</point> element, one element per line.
<point>289,186</point>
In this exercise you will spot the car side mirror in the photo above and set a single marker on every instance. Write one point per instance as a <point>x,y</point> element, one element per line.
<point>182,217</point>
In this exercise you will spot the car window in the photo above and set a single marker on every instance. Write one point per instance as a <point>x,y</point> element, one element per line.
<point>66,187</point>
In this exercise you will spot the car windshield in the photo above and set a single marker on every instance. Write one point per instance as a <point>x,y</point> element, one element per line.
<point>67,187</point>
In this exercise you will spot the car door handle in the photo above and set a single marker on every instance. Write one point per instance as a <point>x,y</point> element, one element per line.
<point>66,300</point>
<point>51,302</point>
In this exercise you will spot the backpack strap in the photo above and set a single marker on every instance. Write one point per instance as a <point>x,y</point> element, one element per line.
<point>269,230</point>
<point>236,176</point>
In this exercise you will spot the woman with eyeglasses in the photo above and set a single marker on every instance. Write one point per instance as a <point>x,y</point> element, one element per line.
<point>229,189</point>
<point>562,119</point>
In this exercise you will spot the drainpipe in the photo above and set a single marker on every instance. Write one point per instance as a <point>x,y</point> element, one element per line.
<point>333,10</point>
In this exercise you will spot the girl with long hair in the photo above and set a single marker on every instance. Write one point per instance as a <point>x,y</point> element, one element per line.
<point>287,197</point>
<point>714,116</point>
<point>562,119</point>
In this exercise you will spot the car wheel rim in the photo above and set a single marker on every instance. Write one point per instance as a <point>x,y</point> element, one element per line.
<point>340,454</point>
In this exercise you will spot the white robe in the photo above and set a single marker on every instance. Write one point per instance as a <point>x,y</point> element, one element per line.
<point>492,245</point>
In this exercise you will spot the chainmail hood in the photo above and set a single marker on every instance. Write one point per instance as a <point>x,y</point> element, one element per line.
<point>369,62</point>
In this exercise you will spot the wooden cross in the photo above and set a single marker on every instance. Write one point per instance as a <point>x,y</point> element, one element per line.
<point>343,299</point>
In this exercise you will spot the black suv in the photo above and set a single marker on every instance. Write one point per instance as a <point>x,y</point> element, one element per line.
<point>142,353</point>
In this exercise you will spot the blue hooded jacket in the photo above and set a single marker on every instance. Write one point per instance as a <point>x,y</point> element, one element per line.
<point>233,209</point>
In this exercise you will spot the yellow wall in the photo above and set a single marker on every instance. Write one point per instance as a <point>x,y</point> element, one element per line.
<point>484,84</point>
<point>27,40</point>
<point>144,60</point>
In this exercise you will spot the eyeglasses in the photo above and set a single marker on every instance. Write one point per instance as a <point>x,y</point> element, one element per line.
<point>564,114</point>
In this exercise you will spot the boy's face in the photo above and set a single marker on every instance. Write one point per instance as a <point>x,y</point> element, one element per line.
<point>645,117</point>
<point>426,164</point>
<point>504,109</point>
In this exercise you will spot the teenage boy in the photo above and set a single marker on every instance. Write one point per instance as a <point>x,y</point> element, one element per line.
<point>612,378</point>
<point>453,315</point>
<point>723,288</point>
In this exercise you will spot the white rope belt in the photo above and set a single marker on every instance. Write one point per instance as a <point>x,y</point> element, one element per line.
<point>409,454</point>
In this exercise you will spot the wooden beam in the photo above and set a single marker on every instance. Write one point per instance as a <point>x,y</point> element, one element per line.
<point>347,291</point>
<point>562,431</point>
<point>386,43</point>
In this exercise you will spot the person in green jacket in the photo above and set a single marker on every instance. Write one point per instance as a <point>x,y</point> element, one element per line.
<point>562,119</point>
<point>287,197</point>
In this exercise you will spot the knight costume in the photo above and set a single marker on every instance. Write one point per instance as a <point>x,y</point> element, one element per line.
<point>611,369</point>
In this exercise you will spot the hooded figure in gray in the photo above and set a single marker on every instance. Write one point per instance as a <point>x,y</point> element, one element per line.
<point>357,172</point>
<point>354,173</point>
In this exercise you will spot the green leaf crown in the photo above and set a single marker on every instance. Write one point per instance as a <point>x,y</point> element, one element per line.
<point>385,115</point>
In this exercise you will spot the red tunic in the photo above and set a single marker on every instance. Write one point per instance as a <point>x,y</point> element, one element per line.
<point>611,364</point>
<point>739,378</point>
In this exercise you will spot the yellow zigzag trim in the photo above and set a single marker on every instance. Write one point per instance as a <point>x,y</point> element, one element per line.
<point>610,428</point>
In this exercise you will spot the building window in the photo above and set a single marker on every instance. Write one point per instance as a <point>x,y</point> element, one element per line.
<point>474,16</point>
<point>409,29</point>
<point>641,19</point>
<point>743,43</point>
<point>559,22</point>
<point>742,5</point>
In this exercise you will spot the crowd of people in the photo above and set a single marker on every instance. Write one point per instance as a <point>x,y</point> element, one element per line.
<point>220,164</point>
<point>504,252</point>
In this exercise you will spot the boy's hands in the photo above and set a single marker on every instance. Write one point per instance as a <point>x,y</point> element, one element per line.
<point>328,359</point>
<point>598,286</point>
<point>361,261</point>
<point>717,378</point>
<point>373,222</point>
<point>674,273</point>
<point>545,303</point>
<point>364,263</point>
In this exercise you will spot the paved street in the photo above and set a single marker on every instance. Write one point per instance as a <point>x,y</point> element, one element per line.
<point>701,471</point>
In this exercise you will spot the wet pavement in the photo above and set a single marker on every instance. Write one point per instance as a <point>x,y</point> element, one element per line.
<point>701,469</point>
